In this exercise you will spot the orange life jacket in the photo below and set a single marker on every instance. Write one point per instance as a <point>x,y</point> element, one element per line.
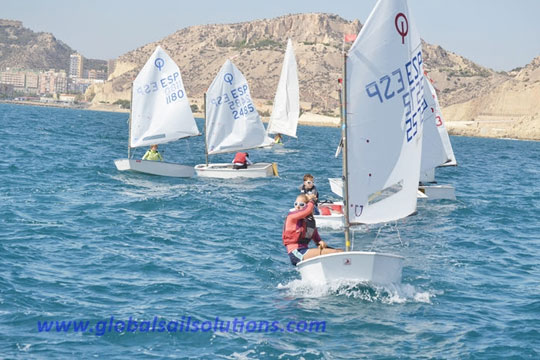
<point>240,158</point>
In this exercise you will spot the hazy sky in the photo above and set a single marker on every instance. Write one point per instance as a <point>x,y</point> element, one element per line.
<point>500,34</point>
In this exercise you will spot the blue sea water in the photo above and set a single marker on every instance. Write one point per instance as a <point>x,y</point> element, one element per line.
<point>81,241</point>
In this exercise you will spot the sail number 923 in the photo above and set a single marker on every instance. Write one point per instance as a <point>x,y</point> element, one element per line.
<point>408,82</point>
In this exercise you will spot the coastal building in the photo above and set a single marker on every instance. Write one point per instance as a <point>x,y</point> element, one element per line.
<point>97,75</point>
<point>79,86</point>
<point>31,85</point>
<point>76,66</point>
<point>52,82</point>
<point>67,98</point>
<point>15,78</point>
<point>46,83</point>
<point>21,80</point>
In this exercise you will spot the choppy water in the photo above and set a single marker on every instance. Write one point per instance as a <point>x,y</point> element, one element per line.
<point>81,241</point>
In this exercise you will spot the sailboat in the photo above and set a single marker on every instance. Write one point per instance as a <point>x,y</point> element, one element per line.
<point>382,135</point>
<point>437,149</point>
<point>434,154</point>
<point>286,109</point>
<point>160,113</point>
<point>232,124</point>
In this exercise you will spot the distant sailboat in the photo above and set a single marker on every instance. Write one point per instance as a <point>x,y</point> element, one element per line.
<point>286,109</point>
<point>160,113</point>
<point>232,124</point>
<point>437,149</point>
<point>382,137</point>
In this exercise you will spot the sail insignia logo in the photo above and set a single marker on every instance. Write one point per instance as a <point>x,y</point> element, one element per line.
<point>228,78</point>
<point>402,26</point>
<point>347,262</point>
<point>159,63</point>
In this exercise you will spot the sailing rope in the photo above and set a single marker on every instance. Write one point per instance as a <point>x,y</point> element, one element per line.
<point>392,226</point>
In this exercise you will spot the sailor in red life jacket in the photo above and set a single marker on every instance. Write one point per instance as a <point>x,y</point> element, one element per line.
<point>298,232</point>
<point>241,160</point>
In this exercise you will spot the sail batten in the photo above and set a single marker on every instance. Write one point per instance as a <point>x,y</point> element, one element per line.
<point>384,97</point>
<point>160,109</point>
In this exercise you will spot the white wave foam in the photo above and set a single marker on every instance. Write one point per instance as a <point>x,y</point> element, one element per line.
<point>365,291</point>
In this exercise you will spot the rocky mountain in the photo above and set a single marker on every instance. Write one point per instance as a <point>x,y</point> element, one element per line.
<point>257,49</point>
<point>468,92</point>
<point>475,100</point>
<point>456,78</point>
<point>22,48</point>
<point>508,109</point>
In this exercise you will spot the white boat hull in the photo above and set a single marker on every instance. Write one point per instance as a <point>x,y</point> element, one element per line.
<point>427,176</point>
<point>438,192</point>
<point>329,221</point>
<point>226,171</point>
<point>357,266</point>
<point>154,167</point>
<point>331,216</point>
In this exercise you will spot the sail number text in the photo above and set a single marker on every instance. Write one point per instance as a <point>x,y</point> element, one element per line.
<point>238,100</point>
<point>171,85</point>
<point>395,83</point>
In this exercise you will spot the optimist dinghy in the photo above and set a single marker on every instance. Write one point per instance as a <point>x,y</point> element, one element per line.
<point>232,124</point>
<point>437,149</point>
<point>160,113</point>
<point>382,141</point>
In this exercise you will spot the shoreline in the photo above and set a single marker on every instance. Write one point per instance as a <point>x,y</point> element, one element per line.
<point>42,104</point>
<point>502,129</point>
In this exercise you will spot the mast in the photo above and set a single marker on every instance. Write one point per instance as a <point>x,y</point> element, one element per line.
<point>205,134</point>
<point>129,121</point>
<point>344,157</point>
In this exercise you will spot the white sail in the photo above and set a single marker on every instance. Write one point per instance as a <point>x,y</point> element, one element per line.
<point>160,109</point>
<point>286,109</point>
<point>442,129</point>
<point>232,122</point>
<point>433,150</point>
<point>384,98</point>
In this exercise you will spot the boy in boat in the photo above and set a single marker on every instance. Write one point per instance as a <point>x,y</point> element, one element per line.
<point>308,188</point>
<point>241,160</point>
<point>298,231</point>
<point>278,139</point>
<point>153,154</point>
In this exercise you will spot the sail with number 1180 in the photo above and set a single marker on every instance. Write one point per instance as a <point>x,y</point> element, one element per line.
<point>160,113</point>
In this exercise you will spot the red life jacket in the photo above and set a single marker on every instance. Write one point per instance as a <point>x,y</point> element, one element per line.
<point>240,158</point>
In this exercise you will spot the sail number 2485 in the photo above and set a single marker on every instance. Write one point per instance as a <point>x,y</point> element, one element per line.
<point>246,109</point>
<point>238,100</point>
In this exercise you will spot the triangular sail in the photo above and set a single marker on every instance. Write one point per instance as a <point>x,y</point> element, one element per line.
<point>160,109</point>
<point>433,150</point>
<point>286,109</point>
<point>442,129</point>
<point>384,98</point>
<point>232,122</point>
